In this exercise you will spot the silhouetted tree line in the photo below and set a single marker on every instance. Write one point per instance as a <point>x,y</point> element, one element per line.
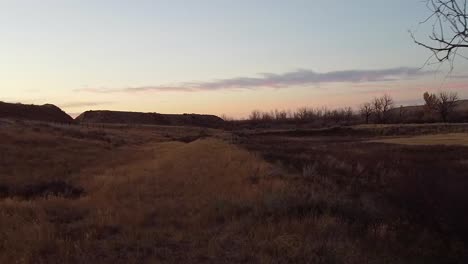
<point>319,116</point>
<point>380,110</point>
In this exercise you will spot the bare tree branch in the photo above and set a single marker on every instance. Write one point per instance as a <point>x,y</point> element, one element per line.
<point>449,20</point>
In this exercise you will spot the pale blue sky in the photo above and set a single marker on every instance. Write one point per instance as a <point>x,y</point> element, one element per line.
<point>60,51</point>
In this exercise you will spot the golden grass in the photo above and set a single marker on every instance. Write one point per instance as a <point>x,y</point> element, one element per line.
<point>158,201</point>
<point>452,139</point>
<point>409,125</point>
<point>150,198</point>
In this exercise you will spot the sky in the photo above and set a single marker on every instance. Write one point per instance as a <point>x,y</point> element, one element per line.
<point>216,57</point>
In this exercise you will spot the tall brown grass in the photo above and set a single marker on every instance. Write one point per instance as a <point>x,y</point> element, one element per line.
<point>180,195</point>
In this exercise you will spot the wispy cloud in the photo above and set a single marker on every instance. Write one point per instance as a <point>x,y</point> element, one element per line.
<point>273,80</point>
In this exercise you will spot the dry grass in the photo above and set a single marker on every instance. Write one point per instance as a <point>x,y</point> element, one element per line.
<point>421,125</point>
<point>396,203</point>
<point>452,139</point>
<point>164,201</point>
<point>180,195</point>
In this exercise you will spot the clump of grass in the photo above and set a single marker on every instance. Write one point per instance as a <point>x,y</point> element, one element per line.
<point>309,171</point>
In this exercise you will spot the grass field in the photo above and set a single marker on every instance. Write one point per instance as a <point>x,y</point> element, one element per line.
<point>455,139</point>
<point>144,194</point>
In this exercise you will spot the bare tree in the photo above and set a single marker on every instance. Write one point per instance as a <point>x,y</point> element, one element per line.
<point>348,114</point>
<point>301,114</point>
<point>377,109</point>
<point>443,103</point>
<point>366,111</point>
<point>256,115</point>
<point>449,20</point>
<point>381,107</point>
<point>267,116</point>
<point>281,115</point>
<point>446,103</point>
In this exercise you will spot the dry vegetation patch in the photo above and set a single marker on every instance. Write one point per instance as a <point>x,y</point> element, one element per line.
<point>393,203</point>
<point>460,139</point>
<point>183,195</point>
<point>159,201</point>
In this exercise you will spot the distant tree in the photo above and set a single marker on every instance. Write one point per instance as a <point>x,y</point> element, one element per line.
<point>401,114</point>
<point>377,109</point>
<point>449,20</point>
<point>320,112</point>
<point>430,106</point>
<point>430,100</point>
<point>446,103</point>
<point>325,115</point>
<point>348,114</point>
<point>267,116</point>
<point>256,115</point>
<point>336,115</point>
<point>281,115</point>
<point>442,103</point>
<point>366,111</point>
<point>300,114</point>
<point>381,107</point>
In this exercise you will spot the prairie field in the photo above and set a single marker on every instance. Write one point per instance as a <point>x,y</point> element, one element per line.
<point>215,132</point>
<point>162,194</point>
<point>454,139</point>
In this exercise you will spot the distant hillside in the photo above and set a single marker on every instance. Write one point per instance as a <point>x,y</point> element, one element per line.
<point>117,117</point>
<point>416,113</point>
<point>462,107</point>
<point>46,113</point>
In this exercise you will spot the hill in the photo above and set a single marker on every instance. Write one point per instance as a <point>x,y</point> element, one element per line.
<point>416,113</point>
<point>117,117</point>
<point>46,113</point>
